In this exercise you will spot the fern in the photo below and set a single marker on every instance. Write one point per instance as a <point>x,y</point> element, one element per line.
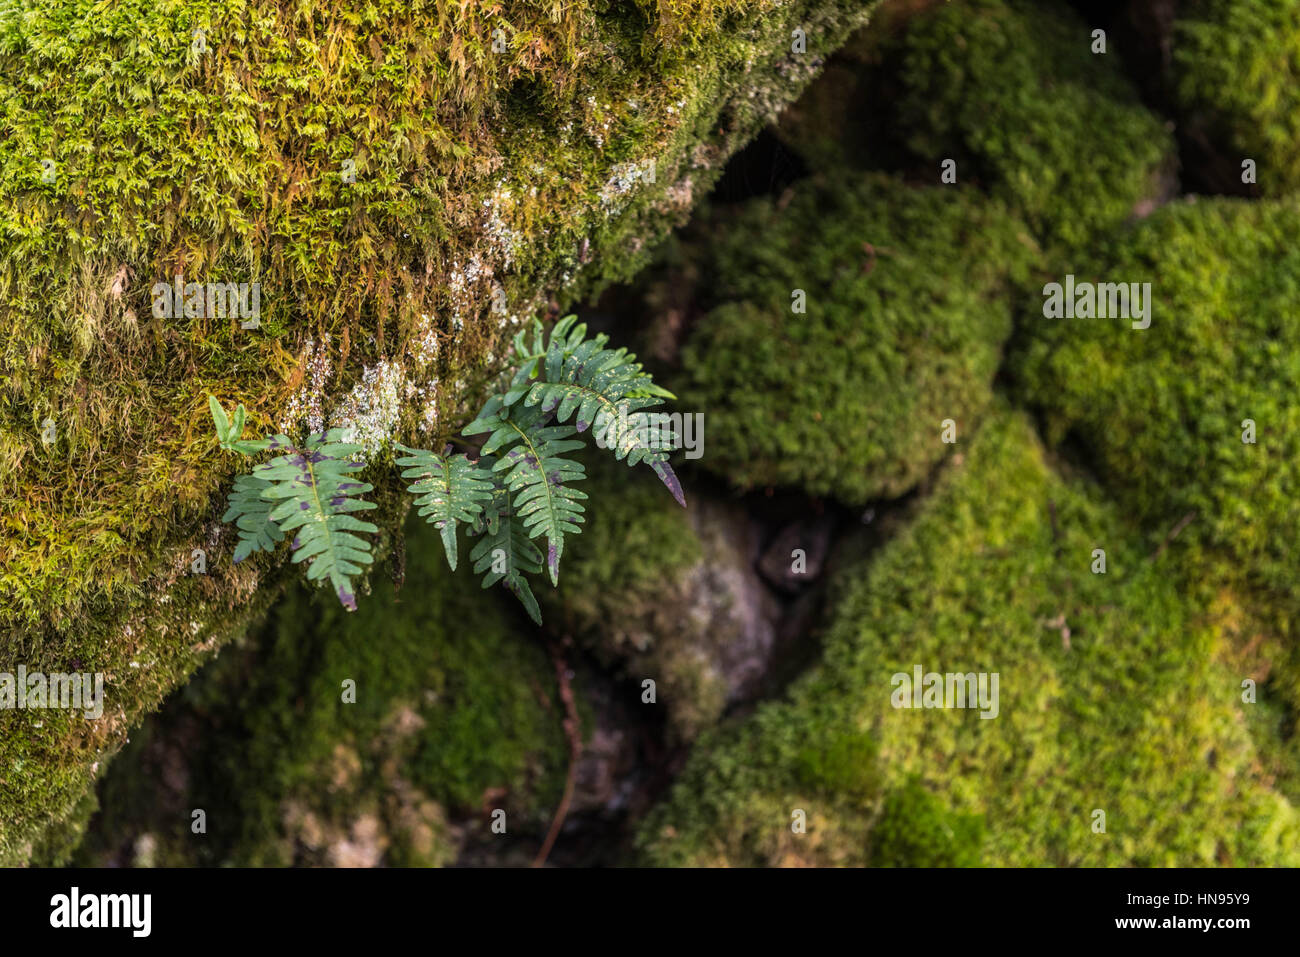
<point>609,393</point>
<point>450,489</point>
<point>506,552</point>
<point>520,490</point>
<point>252,516</point>
<point>316,497</point>
<point>535,474</point>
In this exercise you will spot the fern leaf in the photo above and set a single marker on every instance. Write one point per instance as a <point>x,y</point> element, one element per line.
<point>608,391</point>
<point>505,552</point>
<point>535,474</point>
<point>316,496</point>
<point>252,516</point>
<point>450,489</point>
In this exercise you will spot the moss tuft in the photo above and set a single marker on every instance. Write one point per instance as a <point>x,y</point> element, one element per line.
<point>1011,91</point>
<point>1161,412</point>
<point>1237,83</point>
<point>905,317</point>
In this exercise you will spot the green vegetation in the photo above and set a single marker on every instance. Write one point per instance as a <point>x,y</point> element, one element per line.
<point>1162,412</point>
<point>907,309</point>
<point>1010,90</point>
<point>455,713</point>
<point>503,157</point>
<point>311,487</point>
<point>1112,697</point>
<point>1237,81</point>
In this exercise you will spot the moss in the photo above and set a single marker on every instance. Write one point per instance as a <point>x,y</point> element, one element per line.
<point>1111,698</point>
<point>916,830</point>
<point>1236,66</point>
<point>849,398</point>
<point>1010,90</point>
<point>474,170</point>
<point>455,712</point>
<point>1161,412</point>
<point>482,177</point>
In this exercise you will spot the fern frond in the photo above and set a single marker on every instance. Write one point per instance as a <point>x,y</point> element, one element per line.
<point>505,553</point>
<point>316,496</point>
<point>450,489</point>
<point>536,475</point>
<point>607,390</point>
<point>252,516</point>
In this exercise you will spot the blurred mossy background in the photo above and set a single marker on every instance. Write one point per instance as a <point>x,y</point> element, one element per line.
<point>831,540</point>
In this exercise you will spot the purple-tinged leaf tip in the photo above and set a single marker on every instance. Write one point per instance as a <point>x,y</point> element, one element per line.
<point>669,478</point>
<point>348,599</point>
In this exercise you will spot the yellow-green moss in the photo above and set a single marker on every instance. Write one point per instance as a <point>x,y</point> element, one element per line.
<point>1237,83</point>
<point>1111,697</point>
<point>906,305</point>
<point>1161,413</point>
<point>1008,89</point>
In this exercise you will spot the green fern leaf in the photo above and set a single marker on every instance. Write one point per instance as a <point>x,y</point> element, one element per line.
<point>505,552</point>
<point>316,497</point>
<point>609,393</point>
<point>252,516</point>
<point>535,475</point>
<point>450,489</point>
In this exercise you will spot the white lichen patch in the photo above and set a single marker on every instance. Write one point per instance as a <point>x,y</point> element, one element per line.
<point>305,405</point>
<point>373,406</point>
<point>623,179</point>
<point>423,348</point>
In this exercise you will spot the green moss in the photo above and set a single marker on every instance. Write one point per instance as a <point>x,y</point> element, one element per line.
<point>1111,698</point>
<point>1236,73</point>
<point>1011,91</point>
<point>916,830</point>
<point>525,172</point>
<point>636,541</point>
<point>455,711</point>
<point>905,319</point>
<point>1161,412</point>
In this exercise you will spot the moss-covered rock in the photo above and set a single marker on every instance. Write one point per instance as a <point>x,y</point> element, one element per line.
<point>906,312</point>
<point>667,594</point>
<point>455,713</point>
<point>1010,90</point>
<point>1162,413</point>
<point>503,158</point>
<point>1112,697</point>
<point>1236,79</point>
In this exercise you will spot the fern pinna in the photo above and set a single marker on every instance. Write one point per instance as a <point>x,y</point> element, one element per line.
<point>517,491</point>
<point>307,489</point>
